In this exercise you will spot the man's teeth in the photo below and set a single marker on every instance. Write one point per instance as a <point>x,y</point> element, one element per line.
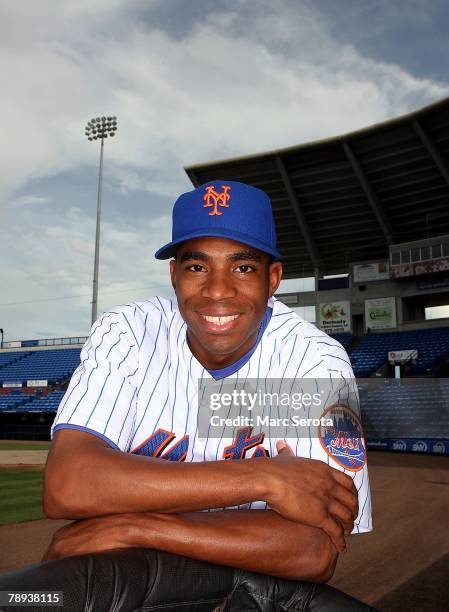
<point>220,320</point>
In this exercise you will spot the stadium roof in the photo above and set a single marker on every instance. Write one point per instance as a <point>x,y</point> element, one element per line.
<point>347,198</point>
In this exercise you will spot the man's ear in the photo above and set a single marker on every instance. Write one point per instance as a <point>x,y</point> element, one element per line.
<point>173,273</point>
<point>275,276</point>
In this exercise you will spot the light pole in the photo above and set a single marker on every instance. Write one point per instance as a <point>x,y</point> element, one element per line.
<point>99,129</point>
<point>1,332</point>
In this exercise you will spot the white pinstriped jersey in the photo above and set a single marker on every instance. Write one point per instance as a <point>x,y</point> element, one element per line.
<point>137,385</point>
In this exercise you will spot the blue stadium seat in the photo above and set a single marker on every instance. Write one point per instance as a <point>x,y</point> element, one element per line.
<point>432,345</point>
<point>53,365</point>
<point>345,338</point>
<point>48,403</point>
<point>14,401</point>
<point>399,409</point>
<point>8,358</point>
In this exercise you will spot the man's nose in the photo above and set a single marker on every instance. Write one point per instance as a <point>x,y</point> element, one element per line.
<point>219,286</point>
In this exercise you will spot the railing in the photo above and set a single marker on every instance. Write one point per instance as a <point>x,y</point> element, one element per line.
<point>47,342</point>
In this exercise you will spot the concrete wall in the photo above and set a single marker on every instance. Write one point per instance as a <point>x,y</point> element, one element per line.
<point>410,301</point>
<point>33,349</point>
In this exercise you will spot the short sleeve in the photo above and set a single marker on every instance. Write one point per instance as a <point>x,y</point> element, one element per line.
<point>338,440</point>
<point>342,444</point>
<point>101,396</point>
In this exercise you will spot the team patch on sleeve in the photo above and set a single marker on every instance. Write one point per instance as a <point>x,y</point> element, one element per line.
<point>343,441</point>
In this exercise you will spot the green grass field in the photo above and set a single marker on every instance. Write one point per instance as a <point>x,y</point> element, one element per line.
<point>25,445</point>
<point>21,495</point>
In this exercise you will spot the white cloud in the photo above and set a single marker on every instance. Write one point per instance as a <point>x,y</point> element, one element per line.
<point>229,86</point>
<point>30,200</point>
<point>58,263</point>
<point>225,88</point>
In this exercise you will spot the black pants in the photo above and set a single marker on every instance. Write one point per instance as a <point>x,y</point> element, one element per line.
<point>135,579</point>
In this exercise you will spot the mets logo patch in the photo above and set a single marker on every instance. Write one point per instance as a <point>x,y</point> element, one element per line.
<point>343,441</point>
<point>215,199</point>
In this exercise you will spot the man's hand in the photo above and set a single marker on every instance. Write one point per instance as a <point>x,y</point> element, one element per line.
<point>91,535</point>
<point>311,492</point>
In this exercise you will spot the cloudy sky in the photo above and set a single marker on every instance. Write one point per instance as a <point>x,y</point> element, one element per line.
<point>190,81</point>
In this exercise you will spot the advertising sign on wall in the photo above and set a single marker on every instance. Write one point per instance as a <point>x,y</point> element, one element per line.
<point>404,355</point>
<point>334,317</point>
<point>371,271</point>
<point>432,283</point>
<point>421,267</point>
<point>380,313</point>
<point>37,383</point>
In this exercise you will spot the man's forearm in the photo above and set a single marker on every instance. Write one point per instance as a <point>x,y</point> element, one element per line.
<point>254,540</point>
<point>90,487</point>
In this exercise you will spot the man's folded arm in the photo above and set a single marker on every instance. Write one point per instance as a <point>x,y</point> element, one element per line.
<point>255,540</point>
<point>85,477</point>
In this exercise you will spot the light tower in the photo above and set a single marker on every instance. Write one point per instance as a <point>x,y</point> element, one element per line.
<point>99,129</point>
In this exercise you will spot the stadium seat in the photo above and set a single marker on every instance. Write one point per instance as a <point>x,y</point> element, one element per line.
<point>344,339</point>
<point>13,401</point>
<point>47,403</point>
<point>432,346</point>
<point>54,365</point>
<point>398,409</point>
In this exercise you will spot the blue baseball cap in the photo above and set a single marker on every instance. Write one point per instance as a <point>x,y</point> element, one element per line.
<point>223,209</point>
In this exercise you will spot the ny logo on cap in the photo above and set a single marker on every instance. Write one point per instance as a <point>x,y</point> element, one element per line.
<point>215,199</point>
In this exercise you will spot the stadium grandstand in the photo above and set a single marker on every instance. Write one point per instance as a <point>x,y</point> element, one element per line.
<point>33,377</point>
<point>366,215</point>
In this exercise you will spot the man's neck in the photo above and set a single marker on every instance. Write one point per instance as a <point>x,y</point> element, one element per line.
<point>218,361</point>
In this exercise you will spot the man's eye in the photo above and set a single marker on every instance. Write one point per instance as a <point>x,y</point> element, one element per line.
<point>243,269</point>
<point>195,268</point>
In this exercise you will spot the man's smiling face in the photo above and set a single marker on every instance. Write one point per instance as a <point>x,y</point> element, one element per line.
<point>222,287</point>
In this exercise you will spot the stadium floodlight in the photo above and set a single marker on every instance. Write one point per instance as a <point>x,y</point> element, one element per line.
<point>99,128</point>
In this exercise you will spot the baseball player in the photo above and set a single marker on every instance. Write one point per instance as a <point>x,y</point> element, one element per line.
<point>252,519</point>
